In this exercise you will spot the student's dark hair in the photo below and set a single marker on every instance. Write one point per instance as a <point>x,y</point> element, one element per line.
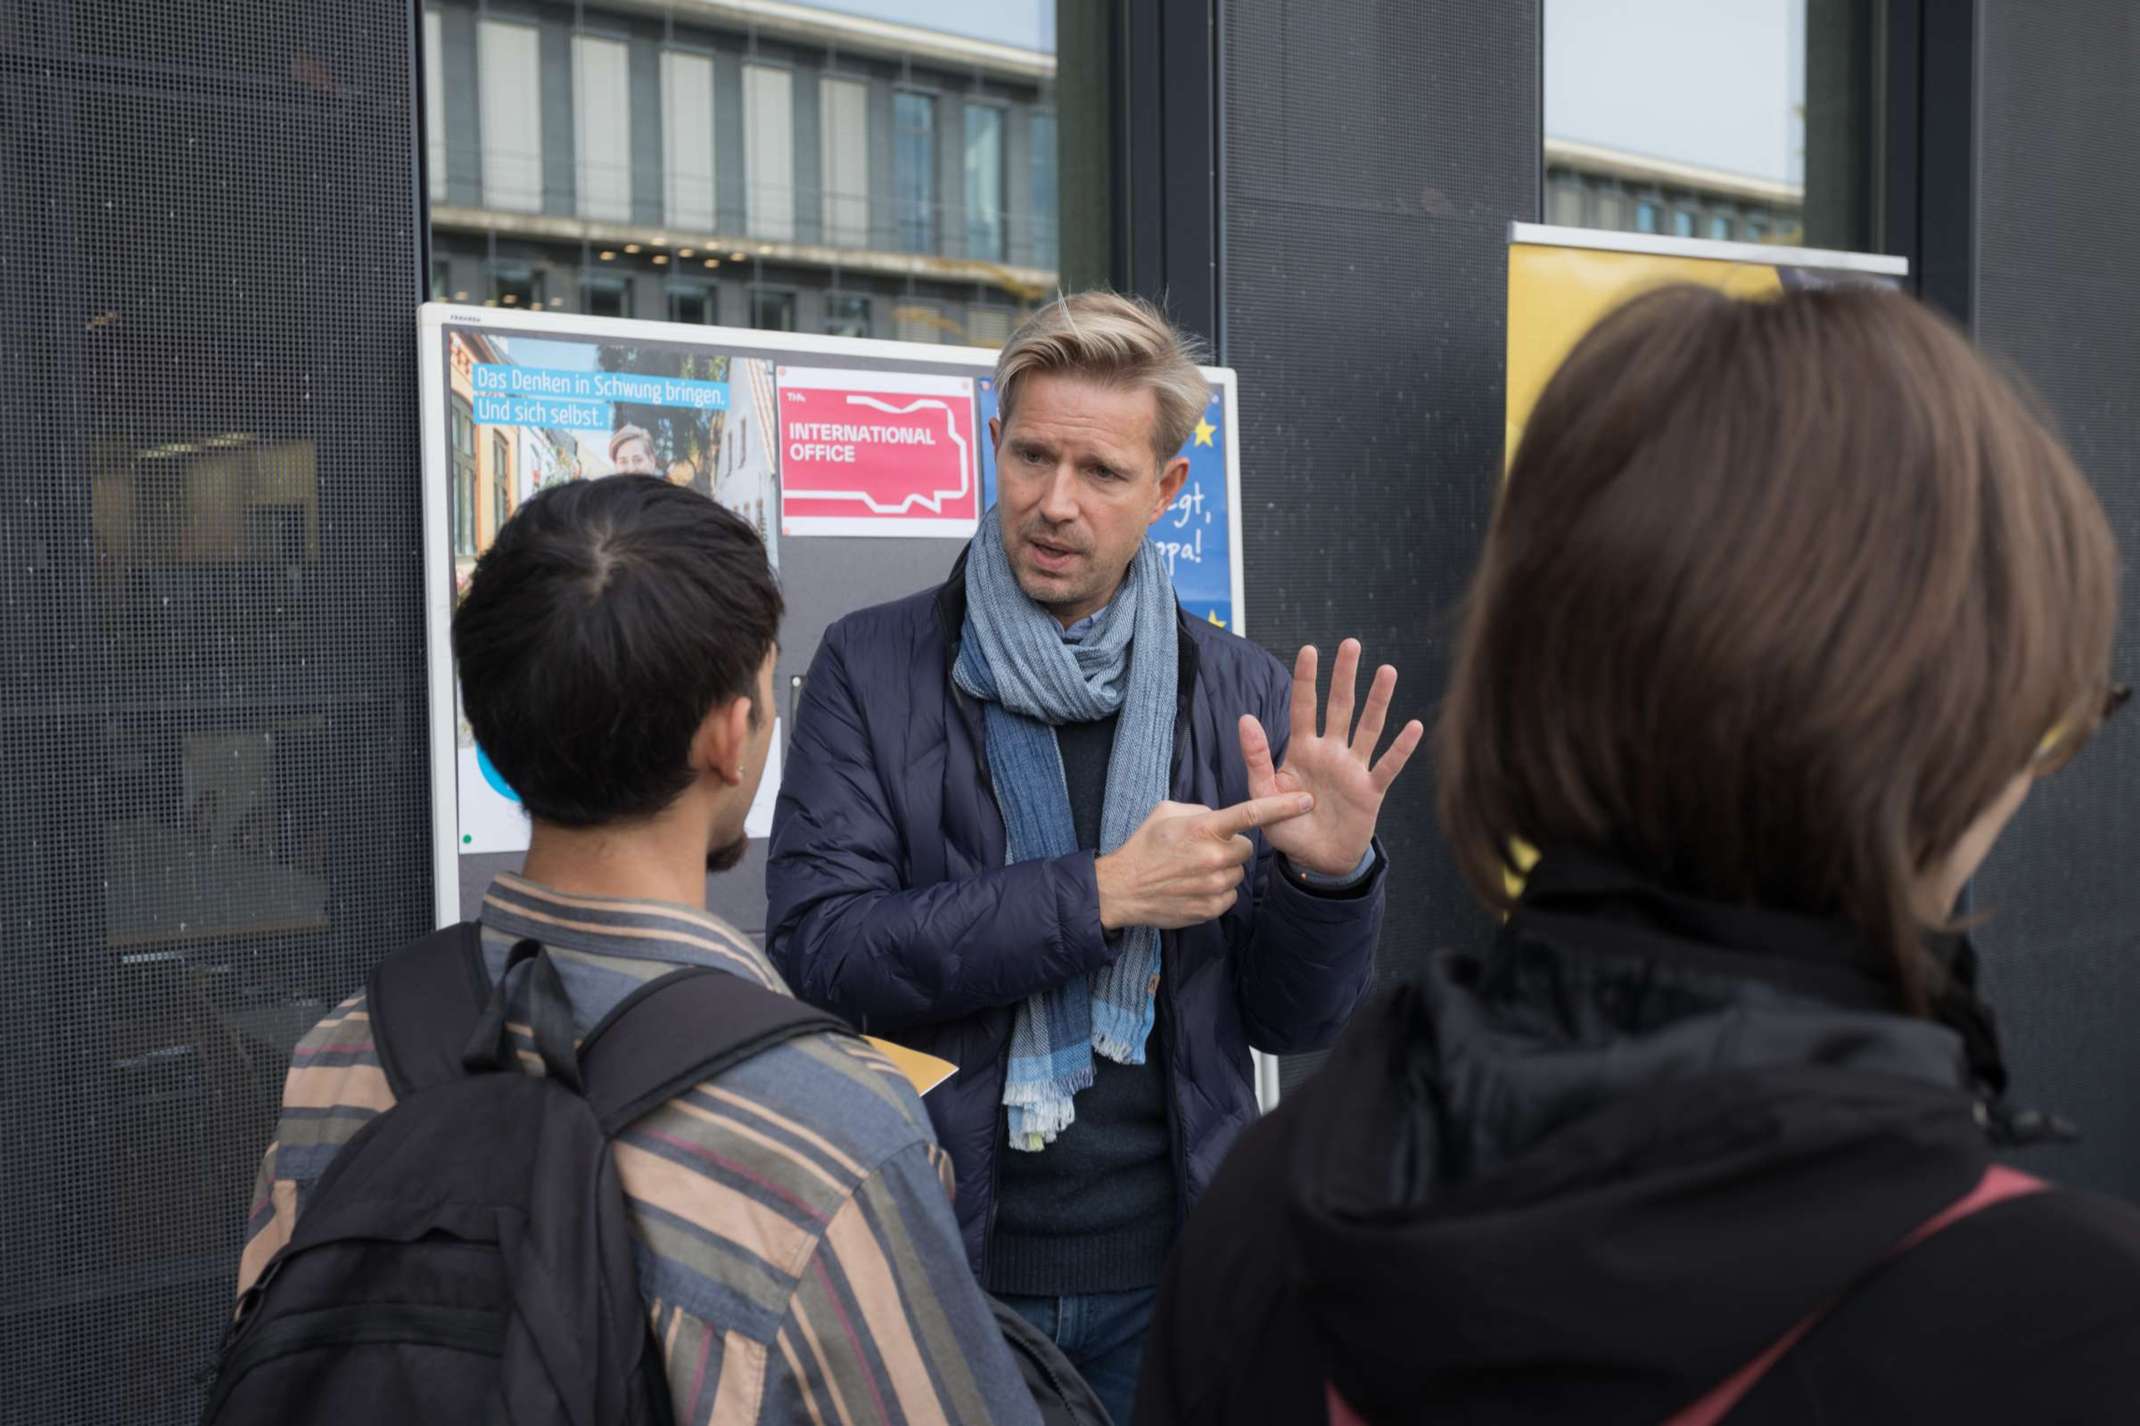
<point>606,621</point>
<point>1778,597</point>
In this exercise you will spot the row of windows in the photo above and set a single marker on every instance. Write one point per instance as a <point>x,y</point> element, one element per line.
<point>1592,201</point>
<point>842,314</point>
<point>509,111</point>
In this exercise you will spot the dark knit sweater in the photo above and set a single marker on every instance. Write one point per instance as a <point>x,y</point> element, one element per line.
<point>1094,1211</point>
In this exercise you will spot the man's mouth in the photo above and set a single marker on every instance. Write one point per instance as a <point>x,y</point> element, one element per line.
<point>1049,555</point>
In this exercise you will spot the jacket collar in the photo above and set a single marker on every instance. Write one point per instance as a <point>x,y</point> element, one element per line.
<point>1597,903</point>
<point>1594,905</point>
<point>662,931</point>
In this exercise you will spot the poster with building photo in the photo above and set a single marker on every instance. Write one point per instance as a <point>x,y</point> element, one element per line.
<point>526,411</point>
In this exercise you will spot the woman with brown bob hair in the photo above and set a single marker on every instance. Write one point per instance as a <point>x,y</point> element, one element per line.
<point>1785,606</point>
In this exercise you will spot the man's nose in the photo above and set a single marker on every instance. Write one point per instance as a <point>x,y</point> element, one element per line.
<point>1058,502</point>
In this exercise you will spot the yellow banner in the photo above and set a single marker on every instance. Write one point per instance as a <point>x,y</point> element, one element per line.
<point>1555,294</point>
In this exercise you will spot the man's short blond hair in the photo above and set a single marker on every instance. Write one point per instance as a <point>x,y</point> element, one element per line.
<point>1118,341</point>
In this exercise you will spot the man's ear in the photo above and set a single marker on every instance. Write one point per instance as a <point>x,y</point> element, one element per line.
<point>717,747</point>
<point>1171,476</point>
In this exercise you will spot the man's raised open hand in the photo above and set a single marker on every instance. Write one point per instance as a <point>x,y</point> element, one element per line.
<point>1335,765</point>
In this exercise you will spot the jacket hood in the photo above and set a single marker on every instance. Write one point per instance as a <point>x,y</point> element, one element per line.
<point>1632,1147</point>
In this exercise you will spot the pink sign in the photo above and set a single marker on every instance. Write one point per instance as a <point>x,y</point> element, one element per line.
<point>876,453</point>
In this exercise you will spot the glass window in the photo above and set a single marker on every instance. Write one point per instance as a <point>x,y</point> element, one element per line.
<point>515,285</point>
<point>1720,227</point>
<point>691,303</point>
<point>989,326</point>
<point>984,182</point>
<point>846,315</point>
<point>603,296</point>
<point>974,133</point>
<point>1564,202</point>
<point>772,311</point>
<point>464,477</point>
<point>1682,223</point>
<point>687,139</point>
<point>1042,221</point>
<point>602,127</point>
<point>769,150</point>
<point>441,280</point>
<point>1784,94</point>
<point>917,322</point>
<point>914,170</point>
<point>435,105</point>
<point>843,133</point>
<point>508,74</point>
<point>501,481</point>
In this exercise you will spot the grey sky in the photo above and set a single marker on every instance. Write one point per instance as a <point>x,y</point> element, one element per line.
<point>1712,82</point>
<point>1030,23</point>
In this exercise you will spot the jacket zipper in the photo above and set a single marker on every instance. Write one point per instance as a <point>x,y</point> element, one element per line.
<point>1176,1148</point>
<point>969,715</point>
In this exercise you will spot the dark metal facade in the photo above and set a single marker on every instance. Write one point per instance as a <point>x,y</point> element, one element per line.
<point>1373,156</point>
<point>2057,202</point>
<point>210,250</point>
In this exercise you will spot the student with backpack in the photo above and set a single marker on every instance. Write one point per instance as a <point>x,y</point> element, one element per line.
<point>1786,606</point>
<point>586,1160</point>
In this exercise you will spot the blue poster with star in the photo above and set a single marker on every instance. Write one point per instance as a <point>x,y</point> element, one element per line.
<point>1196,535</point>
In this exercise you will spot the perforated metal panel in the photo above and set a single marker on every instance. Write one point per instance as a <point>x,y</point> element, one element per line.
<point>1375,154</point>
<point>2058,207</point>
<point>212,751</point>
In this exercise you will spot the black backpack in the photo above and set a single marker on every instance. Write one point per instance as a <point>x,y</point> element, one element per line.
<point>467,1256</point>
<point>1064,1397</point>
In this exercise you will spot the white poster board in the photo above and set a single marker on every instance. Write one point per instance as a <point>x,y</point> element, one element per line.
<point>887,442</point>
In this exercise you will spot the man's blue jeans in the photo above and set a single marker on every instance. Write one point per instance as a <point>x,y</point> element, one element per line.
<point>1102,1333</point>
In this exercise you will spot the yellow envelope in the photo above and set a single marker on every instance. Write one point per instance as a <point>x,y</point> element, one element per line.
<point>924,1072</point>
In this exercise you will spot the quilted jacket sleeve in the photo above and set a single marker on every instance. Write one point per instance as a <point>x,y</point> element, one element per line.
<point>850,937</point>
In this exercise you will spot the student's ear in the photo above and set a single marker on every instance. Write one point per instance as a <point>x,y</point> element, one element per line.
<point>722,738</point>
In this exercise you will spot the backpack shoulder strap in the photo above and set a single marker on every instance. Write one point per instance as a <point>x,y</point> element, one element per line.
<point>423,998</point>
<point>1998,1185</point>
<point>685,1027</point>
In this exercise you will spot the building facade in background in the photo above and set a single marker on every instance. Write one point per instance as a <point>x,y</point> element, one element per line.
<point>1706,119</point>
<point>1592,186</point>
<point>740,163</point>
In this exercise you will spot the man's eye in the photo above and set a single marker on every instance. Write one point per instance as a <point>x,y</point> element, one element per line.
<point>1033,457</point>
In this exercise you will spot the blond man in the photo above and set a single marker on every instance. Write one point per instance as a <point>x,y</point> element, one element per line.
<point>1039,823</point>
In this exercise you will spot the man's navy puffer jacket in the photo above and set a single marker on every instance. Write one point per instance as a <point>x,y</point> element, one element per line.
<point>890,904</point>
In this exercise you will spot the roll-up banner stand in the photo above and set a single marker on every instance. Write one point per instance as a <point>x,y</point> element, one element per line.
<point>1562,280</point>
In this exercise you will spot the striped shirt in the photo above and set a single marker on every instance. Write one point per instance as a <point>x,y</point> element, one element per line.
<point>793,1225</point>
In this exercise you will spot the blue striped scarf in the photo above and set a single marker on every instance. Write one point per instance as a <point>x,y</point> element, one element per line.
<point>1012,656</point>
